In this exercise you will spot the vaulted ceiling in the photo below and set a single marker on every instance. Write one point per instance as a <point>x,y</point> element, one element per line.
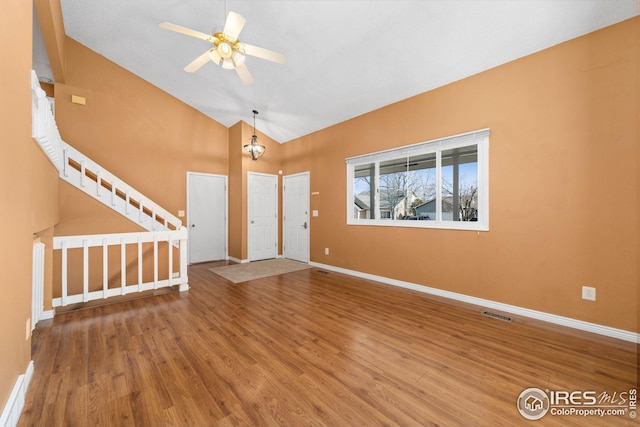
<point>344,57</point>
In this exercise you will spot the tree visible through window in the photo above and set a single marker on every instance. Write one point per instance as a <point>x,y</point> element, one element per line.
<point>440,182</point>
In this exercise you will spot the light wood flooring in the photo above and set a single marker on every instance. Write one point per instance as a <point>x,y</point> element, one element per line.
<point>309,348</point>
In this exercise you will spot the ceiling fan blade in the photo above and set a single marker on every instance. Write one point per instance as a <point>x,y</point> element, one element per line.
<point>197,63</point>
<point>233,26</point>
<point>263,53</point>
<point>244,74</point>
<point>187,31</point>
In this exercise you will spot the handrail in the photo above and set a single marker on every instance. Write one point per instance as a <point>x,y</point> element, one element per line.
<point>101,184</point>
<point>43,124</point>
<point>174,278</point>
<point>88,176</point>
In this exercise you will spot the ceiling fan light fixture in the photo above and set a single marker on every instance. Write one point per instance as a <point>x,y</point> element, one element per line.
<point>254,148</point>
<point>225,50</point>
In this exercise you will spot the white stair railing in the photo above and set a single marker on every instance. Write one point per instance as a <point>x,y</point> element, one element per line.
<point>88,176</point>
<point>102,185</point>
<point>173,238</point>
<point>43,124</point>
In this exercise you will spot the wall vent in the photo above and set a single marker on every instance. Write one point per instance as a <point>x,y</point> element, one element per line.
<point>497,316</point>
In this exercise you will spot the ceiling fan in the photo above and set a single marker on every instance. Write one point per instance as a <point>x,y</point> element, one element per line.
<point>227,49</point>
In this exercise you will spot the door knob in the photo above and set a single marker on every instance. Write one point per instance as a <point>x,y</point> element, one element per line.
<point>193,225</point>
<point>305,225</point>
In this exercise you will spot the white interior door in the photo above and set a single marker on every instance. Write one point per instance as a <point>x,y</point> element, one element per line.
<point>207,217</point>
<point>295,190</point>
<point>262,195</point>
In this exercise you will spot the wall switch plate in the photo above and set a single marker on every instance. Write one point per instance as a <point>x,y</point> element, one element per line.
<point>181,214</point>
<point>314,212</point>
<point>326,251</point>
<point>589,293</point>
<point>80,100</point>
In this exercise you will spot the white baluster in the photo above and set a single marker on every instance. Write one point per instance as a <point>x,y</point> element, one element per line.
<point>82,174</point>
<point>155,262</point>
<point>126,202</point>
<point>113,193</point>
<point>66,163</point>
<point>64,273</point>
<point>139,263</point>
<point>170,247</point>
<point>99,182</point>
<point>184,285</point>
<point>85,270</point>
<point>123,266</point>
<point>105,268</point>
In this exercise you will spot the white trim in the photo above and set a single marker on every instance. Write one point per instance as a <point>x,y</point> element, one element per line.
<point>113,292</point>
<point>452,141</point>
<point>250,203</point>
<point>13,408</point>
<point>608,331</point>
<point>226,210</point>
<point>480,138</point>
<point>237,260</point>
<point>46,315</point>
<point>307,210</point>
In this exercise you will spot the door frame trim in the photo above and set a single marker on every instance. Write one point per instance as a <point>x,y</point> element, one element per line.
<point>309,213</point>
<point>226,212</point>
<point>249,211</point>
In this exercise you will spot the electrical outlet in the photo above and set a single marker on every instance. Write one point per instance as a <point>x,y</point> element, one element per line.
<point>326,251</point>
<point>589,293</point>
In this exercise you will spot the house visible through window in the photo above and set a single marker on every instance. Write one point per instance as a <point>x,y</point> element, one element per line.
<point>434,184</point>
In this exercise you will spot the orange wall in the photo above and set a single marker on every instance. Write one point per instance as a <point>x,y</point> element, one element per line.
<point>563,122</point>
<point>240,165</point>
<point>143,135</point>
<point>563,183</point>
<point>27,192</point>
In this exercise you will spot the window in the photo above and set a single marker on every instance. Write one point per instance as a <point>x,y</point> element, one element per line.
<point>435,184</point>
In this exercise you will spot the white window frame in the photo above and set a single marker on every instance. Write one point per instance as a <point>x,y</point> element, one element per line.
<point>479,138</point>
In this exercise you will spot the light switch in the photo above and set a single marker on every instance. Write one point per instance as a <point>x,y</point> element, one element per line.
<point>314,212</point>
<point>181,214</point>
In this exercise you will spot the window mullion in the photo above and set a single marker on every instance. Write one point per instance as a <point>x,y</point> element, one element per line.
<point>438,185</point>
<point>377,190</point>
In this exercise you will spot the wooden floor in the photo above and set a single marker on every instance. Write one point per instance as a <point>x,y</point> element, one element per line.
<point>308,348</point>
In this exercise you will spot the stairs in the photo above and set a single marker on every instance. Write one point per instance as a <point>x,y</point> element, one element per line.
<point>88,176</point>
<point>164,232</point>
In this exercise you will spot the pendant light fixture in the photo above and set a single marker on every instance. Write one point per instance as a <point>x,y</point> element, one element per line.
<point>254,148</point>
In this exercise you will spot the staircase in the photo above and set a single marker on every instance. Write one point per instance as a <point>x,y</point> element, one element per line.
<point>88,176</point>
<point>100,184</point>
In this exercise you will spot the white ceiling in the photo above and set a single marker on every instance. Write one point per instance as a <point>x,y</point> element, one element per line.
<point>344,58</point>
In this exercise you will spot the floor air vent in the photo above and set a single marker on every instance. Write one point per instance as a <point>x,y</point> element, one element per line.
<point>323,272</point>
<point>497,316</point>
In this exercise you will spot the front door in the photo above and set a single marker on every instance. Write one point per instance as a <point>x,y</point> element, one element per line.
<point>262,195</point>
<point>295,189</point>
<point>207,217</point>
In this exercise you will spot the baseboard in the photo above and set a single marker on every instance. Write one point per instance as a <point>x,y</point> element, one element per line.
<point>46,315</point>
<point>13,409</point>
<point>237,260</point>
<point>521,311</point>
